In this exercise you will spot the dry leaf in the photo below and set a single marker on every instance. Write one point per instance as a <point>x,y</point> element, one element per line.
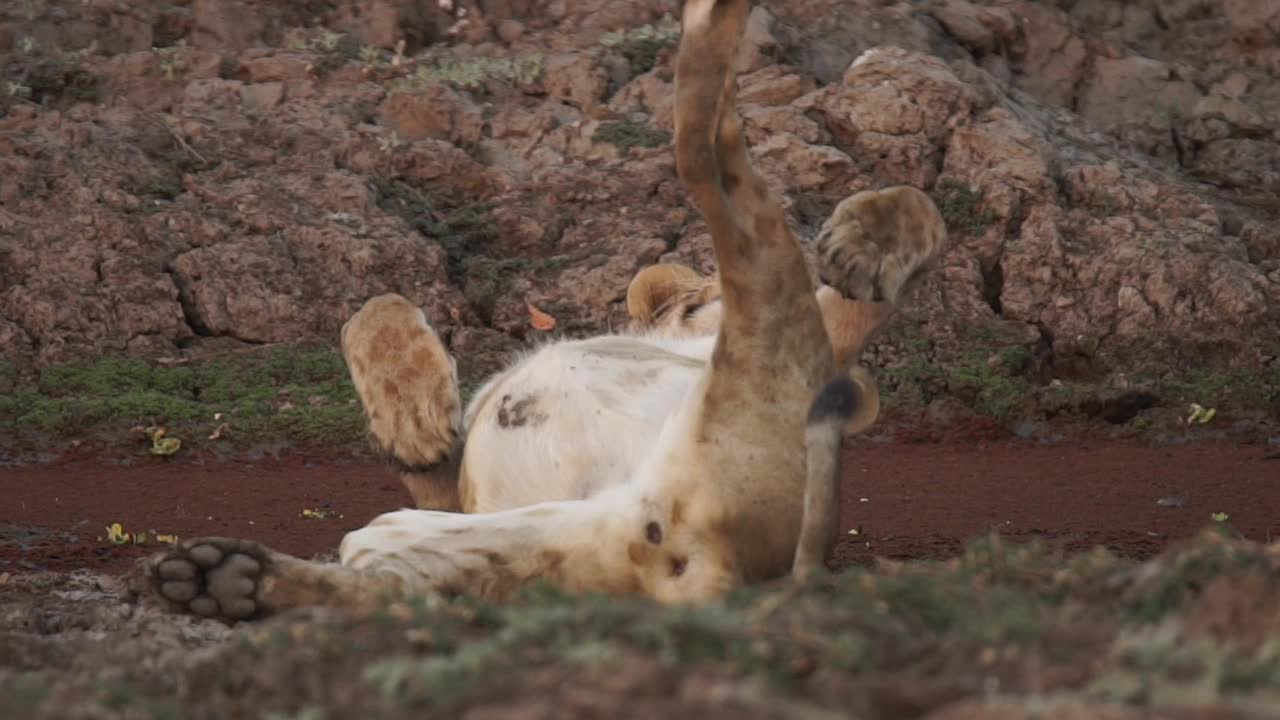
<point>540,320</point>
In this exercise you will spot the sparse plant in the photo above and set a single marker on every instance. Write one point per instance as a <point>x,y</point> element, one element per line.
<point>390,142</point>
<point>173,59</point>
<point>625,134</point>
<point>472,73</point>
<point>332,50</point>
<point>641,45</point>
<point>370,55</point>
<point>39,74</point>
<point>961,207</point>
<point>16,90</point>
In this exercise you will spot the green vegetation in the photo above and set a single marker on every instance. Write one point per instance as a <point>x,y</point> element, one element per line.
<point>466,233</point>
<point>173,59</point>
<point>991,378</point>
<point>996,595</point>
<point>993,385</point>
<point>991,366</point>
<point>463,230</point>
<point>46,75</point>
<point>1244,388</point>
<point>472,73</point>
<point>294,393</point>
<point>625,135</point>
<point>332,50</point>
<point>961,208</point>
<point>641,45</point>
<point>846,622</point>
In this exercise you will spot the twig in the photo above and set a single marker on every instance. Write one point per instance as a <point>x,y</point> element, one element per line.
<point>181,142</point>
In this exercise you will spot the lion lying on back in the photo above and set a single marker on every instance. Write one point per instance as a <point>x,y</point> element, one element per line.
<point>694,453</point>
<point>576,416</point>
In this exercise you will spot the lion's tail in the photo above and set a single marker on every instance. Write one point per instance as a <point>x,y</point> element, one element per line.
<point>824,433</point>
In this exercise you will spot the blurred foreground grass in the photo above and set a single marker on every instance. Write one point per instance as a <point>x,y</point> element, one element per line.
<point>1022,629</point>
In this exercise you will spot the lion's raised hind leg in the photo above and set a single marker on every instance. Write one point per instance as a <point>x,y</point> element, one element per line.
<point>771,328</point>
<point>872,252</point>
<point>408,385</point>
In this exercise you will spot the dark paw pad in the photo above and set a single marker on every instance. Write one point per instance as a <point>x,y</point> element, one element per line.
<point>212,578</point>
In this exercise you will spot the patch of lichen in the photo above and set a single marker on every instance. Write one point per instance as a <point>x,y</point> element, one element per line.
<point>472,72</point>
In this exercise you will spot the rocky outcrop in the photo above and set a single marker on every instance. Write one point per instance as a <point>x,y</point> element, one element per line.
<point>1108,173</point>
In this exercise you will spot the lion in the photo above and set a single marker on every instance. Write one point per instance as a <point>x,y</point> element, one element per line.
<point>693,453</point>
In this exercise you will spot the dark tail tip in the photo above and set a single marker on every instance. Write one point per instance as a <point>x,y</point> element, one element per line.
<point>836,401</point>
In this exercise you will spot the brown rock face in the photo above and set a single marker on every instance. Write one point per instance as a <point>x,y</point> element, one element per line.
<point>1108,172</point>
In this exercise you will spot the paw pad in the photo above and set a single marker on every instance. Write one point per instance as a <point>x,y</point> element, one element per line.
<point>211,579</point>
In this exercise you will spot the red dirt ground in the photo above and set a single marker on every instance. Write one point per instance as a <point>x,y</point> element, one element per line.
<point>910,500</point>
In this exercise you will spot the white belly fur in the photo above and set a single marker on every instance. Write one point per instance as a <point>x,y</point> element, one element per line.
<point>575,417</point>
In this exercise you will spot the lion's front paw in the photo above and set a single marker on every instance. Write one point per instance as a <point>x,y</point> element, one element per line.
<point>212,577</point>
<point>877,243</point>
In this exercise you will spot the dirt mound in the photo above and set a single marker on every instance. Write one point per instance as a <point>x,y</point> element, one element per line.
<point>177,172</point>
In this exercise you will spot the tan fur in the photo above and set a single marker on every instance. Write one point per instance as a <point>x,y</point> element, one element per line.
<point>408,385</point>
<point>668,296</point>
<point>877,244</point>
<point>822,438</point>
<point>676,300</point>
<point>676,461</point>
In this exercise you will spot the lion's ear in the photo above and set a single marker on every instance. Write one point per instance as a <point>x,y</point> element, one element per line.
<point>655,286</point>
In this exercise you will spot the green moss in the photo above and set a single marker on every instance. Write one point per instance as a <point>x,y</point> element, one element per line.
<point>991,378</point>
<point>294,393</point>
<point>625,135</point>
<point>641,45</point>
<point>960,207</point>
<point>993,390</point>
